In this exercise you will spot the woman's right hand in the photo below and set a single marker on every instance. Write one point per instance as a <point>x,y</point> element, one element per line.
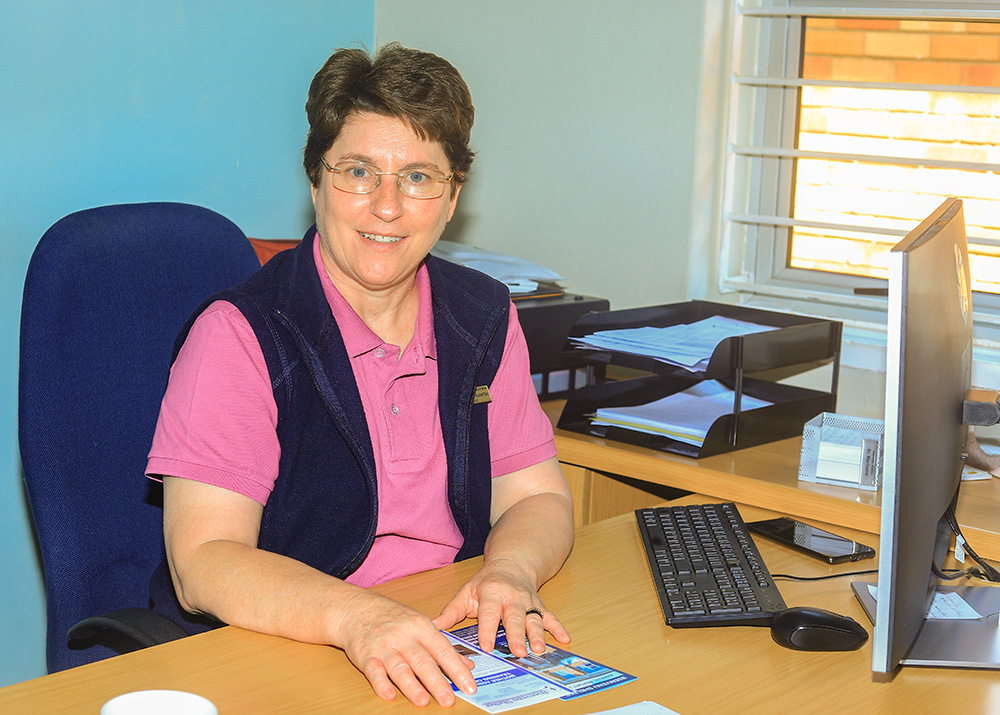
<point>397,647</point>
<point>211,536</point>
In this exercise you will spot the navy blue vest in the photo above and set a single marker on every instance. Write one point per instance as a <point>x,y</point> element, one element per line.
<point>323,510</point>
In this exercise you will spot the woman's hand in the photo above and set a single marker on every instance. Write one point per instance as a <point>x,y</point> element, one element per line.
<point>532,516</point>
<point>502,593</point>
<point>211,537</point>
<point>978,458</point>
<point>397,647</point>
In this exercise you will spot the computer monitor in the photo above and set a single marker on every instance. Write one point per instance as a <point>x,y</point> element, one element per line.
<point>928,375</point>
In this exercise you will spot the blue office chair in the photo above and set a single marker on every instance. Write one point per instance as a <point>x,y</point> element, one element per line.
<point>106,292</point>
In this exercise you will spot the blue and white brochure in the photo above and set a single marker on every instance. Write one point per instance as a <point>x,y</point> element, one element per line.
<point>506,681</point>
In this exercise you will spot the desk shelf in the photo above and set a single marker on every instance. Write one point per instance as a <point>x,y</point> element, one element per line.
<point>796,342</point>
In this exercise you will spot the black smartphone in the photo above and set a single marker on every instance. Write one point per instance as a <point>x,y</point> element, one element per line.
<point>810,540</point>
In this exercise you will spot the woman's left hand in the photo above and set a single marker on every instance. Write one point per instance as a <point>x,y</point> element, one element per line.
<point>502,592</point>
<point>532,534</point>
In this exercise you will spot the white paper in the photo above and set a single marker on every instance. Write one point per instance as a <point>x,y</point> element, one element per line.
<point>688,345</point>
<point>971,474</point>
<point>644,708</point>
<point>685,416</point>
<point>945,606</point>
<point>519,275</point>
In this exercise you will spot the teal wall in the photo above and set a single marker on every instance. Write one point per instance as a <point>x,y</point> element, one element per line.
<point>112,101</point>
<point>132,100</point>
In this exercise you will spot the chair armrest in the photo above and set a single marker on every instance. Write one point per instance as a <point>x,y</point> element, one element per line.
<point>146,627</point>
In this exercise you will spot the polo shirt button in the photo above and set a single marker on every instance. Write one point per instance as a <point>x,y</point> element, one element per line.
<point>394,410</point>
<point>380,353</point>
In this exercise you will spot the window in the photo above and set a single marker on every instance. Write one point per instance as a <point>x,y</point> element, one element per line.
<point>849,123</point>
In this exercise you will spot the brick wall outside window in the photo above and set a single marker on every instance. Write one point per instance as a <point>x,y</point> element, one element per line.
<point>920,124</point>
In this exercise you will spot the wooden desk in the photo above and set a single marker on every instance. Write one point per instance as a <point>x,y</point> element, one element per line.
<point>765,476</point>
<point>605,597</point>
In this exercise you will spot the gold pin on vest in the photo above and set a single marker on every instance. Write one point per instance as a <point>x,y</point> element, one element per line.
<point>482,395</point>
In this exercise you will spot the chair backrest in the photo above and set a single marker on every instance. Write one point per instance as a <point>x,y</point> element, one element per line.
<point>106,292</point>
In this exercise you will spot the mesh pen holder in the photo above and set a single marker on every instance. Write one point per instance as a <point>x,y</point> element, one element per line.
<point>842,450</point>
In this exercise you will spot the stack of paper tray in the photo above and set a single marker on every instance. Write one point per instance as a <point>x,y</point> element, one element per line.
<point>762,410</point>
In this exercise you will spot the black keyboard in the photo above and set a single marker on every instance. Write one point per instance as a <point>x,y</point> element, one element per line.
<point>706,567</point>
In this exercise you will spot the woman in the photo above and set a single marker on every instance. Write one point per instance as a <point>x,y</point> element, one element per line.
<point>359,410</point>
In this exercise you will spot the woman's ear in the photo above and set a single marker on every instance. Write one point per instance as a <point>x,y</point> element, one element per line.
<point>454,199</point>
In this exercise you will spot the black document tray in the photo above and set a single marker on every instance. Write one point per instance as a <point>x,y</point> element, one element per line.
<point>797,340</point>
<point>792,408</point>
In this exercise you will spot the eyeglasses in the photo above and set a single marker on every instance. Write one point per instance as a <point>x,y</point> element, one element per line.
<point>357,177</point>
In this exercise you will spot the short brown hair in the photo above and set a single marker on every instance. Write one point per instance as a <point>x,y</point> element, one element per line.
<point>420,88</point>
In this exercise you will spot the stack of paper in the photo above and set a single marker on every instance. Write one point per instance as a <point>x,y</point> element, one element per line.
<point>684,416</point>
<point>520,276</point>
<point>688,345</point>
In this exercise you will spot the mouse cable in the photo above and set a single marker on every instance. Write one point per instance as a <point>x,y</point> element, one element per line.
<point>791,577</point>
<point>945,575</point>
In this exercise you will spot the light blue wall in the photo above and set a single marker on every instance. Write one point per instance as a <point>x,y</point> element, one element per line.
<point>112,101</point>
<point>599,132</point>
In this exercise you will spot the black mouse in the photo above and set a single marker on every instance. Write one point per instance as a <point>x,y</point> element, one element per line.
<point>807,628</point>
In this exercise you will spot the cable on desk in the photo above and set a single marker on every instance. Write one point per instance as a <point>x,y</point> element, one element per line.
<point>943,574</point>
<point>989,573</point>
<point>792,577</point>
<point>955,574</point>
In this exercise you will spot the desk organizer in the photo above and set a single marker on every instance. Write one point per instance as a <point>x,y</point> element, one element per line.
<point>796,342</point>
<point>843,450</point>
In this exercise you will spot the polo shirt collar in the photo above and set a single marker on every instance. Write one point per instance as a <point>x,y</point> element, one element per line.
<point>358,337</point>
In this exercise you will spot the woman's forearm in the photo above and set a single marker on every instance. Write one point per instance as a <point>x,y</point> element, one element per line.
<point>265,592</point>
<point>536,533</point>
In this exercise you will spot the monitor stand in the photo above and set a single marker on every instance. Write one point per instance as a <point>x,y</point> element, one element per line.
<point>951,643</point>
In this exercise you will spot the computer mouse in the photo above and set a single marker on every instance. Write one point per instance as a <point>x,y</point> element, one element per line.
<point>808,628</point>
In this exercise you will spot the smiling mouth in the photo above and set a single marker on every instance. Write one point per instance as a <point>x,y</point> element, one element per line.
<point>378,238</point>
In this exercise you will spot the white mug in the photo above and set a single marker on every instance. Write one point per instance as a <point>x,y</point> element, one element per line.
<point>159,702</point>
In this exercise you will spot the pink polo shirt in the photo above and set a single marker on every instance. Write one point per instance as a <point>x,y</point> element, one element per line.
<point>218,417</point>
